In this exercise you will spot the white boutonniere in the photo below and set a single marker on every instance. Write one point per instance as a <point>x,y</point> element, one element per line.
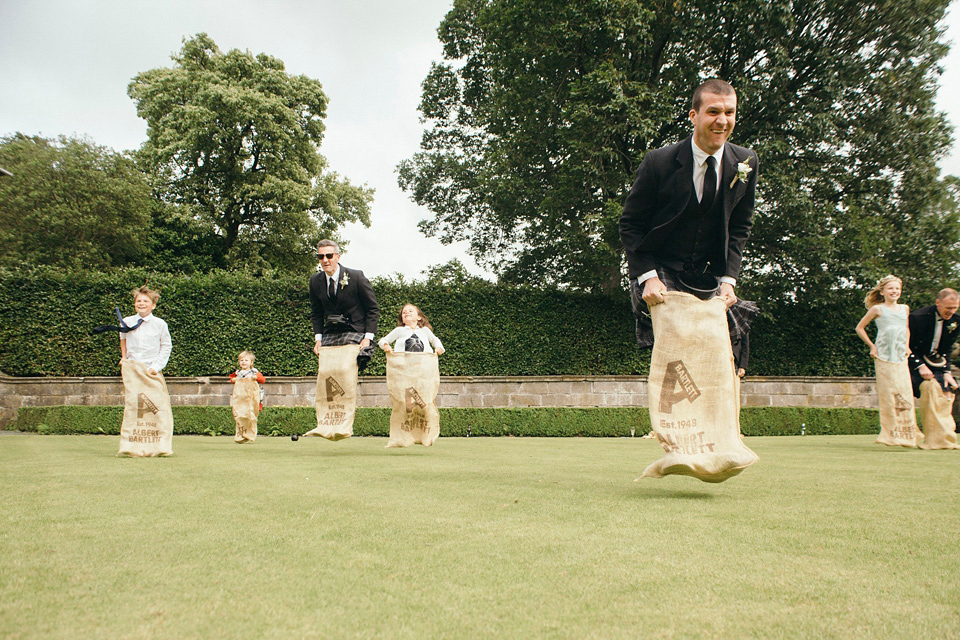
<point>345,280</point>
<point>743,172</point>
<point>952,327</point>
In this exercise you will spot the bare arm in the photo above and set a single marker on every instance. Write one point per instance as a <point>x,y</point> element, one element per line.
<point>868,317</point>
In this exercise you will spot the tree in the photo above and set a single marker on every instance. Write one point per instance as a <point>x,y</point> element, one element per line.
<point>234,138</point>
<point>542,112</point>
<point>71,203</point>
<point>182,242</point>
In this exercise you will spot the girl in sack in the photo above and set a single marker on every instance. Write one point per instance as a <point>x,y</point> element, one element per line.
<point>898,420</point>
<point>413,379</point>
<point>413,333</point>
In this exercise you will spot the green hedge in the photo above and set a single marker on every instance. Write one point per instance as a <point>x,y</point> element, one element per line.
<point>46,317</point>
<point>532,422</point>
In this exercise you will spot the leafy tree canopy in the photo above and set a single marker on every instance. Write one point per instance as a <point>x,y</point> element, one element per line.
<point>233,138</point>
<point>71,203</point>
<point>542,112</point>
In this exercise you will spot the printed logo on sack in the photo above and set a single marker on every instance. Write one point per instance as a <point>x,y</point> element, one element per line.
<point>900,404</point>
<point>677,385</point>
<point>416,418</point>
<point>145,406</point>
<point>333,389</point>
<point>413,400</point>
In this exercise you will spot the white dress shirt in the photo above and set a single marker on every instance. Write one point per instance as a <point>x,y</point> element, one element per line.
<point>700,168</point>
<point>937,332</point>
<point>149,343</point>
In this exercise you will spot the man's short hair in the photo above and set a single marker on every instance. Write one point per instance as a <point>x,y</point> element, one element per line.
<point>947,293</point>
<point>714,85</point>
<point>328,243</point>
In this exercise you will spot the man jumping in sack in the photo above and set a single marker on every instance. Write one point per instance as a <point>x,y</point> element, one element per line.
<point>343,305</point>
<point>689,213</point>
<point>933,330</point>
<point>344,313</point>
<point>683,228</point>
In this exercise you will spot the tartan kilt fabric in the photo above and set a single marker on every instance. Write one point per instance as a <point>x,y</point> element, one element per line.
<point>341,339</point>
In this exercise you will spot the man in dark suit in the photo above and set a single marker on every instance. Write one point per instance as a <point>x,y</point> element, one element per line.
<point>343,306</point>
<point>933,330</point>
<point>689,213</point>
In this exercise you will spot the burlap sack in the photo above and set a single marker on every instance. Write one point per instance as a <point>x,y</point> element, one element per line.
<point>694,402</point>
<point>246,407</point>
<point>336,392</point>
<point>898,418</point>
<point>936,415</point>
<point>413,380</point>
<point>147,428</point>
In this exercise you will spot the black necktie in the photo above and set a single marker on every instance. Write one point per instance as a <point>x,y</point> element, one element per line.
<point>331,289</point>
<point>413,344</point>
<point>709,183</point>
<point>123,328</point>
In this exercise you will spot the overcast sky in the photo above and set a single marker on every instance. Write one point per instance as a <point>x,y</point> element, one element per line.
<point>65,66</point>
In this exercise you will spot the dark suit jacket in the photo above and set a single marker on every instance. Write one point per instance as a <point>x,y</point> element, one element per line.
<point>355,299</point>
<point>660,193</point>
<point>922,324</point>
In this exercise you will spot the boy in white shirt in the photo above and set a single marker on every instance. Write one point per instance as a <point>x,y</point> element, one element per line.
<point>150,342</point>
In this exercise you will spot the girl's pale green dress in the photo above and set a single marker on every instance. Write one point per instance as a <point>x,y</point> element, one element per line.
<point>898,419</point>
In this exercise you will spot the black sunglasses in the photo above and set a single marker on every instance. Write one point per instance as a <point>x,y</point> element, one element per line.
<point>328,256</point>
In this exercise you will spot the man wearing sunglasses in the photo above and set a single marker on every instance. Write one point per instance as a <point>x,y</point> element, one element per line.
<point>343,306</point>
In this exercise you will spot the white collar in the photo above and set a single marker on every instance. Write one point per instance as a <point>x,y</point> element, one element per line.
<point>336,274</point>
<point>146,318</point>
<point>700,156</point>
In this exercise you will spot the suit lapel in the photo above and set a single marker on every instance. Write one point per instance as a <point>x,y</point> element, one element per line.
<point>683,176</point>
<point>730,162</point>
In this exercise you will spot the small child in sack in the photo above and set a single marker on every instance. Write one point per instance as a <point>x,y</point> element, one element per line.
<point>247,370</point>
<point>247,400</point>
<point>413,333</point>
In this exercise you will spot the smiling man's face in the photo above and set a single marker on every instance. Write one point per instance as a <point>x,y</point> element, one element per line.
<point>713,122</point>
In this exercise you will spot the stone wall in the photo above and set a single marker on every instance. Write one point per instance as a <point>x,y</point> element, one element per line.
<point>455,391</point>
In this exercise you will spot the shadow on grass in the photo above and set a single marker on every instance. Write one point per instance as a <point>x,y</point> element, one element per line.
<point>676,494</point>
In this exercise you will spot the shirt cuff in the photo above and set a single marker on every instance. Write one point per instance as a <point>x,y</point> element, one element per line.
<point>730,281</point>
<point>368,336</point>
<point>318,337</point>
<point>646,276</point>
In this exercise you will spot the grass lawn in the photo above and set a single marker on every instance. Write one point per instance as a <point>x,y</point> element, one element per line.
<point>825,537</point>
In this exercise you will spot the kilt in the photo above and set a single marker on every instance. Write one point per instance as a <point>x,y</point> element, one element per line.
<point>342,338</point>
<point>739,316</point>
